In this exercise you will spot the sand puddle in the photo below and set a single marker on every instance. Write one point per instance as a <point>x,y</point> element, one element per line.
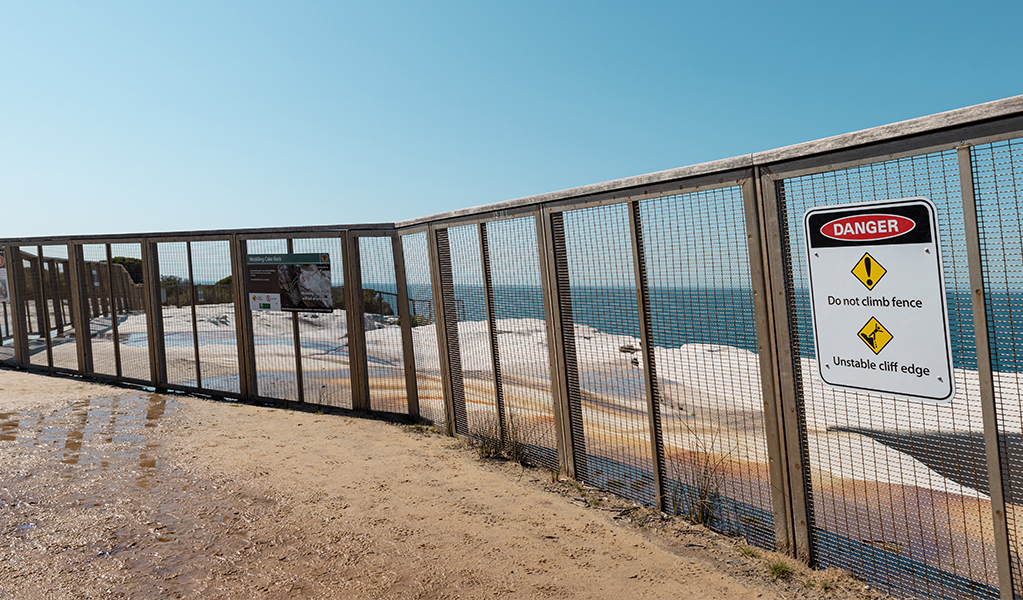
<point>111,498</point>
<point>97,436</point>
<point>88,485</point>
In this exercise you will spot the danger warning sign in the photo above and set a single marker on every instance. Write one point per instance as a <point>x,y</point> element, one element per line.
<point>877,292</point>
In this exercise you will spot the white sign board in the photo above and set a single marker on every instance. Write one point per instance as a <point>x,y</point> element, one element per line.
<point>880,314</point>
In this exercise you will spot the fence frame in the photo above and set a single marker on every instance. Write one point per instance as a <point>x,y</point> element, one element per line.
<point>760,177</point>
<point>653,404</point>
<point>439,264</point>
<point>488,300</point>
<point>555,343</point>
<point>408,353</point>
<point>985,373</point>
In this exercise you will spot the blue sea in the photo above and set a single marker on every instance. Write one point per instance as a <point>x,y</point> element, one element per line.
<point>717,316</point>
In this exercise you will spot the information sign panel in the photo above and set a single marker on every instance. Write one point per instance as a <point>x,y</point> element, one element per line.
<point>290,282</point>
<point>880,314</point>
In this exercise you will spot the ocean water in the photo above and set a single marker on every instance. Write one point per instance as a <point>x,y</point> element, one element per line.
<point>722,316</point>
<point>725,316</point>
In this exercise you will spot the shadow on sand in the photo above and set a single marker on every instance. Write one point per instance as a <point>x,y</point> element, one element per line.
<point>957,456</point>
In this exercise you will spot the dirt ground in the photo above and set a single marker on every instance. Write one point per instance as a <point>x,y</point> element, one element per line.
<point>115,493</point>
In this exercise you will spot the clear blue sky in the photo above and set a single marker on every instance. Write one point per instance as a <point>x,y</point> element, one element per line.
<point>159,116</point>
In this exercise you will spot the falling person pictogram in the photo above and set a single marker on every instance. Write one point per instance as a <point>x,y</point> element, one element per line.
<point>872,337</point>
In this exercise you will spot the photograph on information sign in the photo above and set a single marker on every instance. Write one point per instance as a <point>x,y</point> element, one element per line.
<point>290,282</point>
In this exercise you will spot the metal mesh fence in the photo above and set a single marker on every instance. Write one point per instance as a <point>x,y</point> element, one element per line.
<point>449,310</point>
<point>7,355</point>
<point>705,352</point>
<point>473,331</point>
<point>37,313</point>
<point>7,314</point>
<point>132,336</point>
<point>274,340</point>
<point>26,256</point>
<point>50,300</point>
<point>179,339</point>
<point>998,181</point>
<point>215,326</point>
<point>424,329</point>
<point>6,309</point>
<point>326,371</point>
<point>96,294</point>
<point>383,332</point>
<point>32,307</point>
<point>611,392</point>
<point>58,306</point>
<point>898,488</point>
<point>521,331</point>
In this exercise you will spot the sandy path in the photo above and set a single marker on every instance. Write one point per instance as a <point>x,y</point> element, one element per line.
<point>113,493</point>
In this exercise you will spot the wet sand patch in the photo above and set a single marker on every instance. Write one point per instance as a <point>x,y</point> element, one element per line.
<point>129,495</point>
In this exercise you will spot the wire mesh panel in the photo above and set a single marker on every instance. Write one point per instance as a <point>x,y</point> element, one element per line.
<point>176,307</point>
<point>62,283</point>
<point>58,303</point>
<point>473,333</point>
<point>611,393</point>
<point>424,330</point>
<point>64,348</point>
<point>326,371</point>
<point>215,324</point>
<point>705,357</point>
<point>383,332</point>
<point>32,302</point>
<point>6,308</point>
<point>95,289</point>
<point>7,316</point>
<point>6,311</point>
<point>62,288</point>
<point>36,303</point>
<point>132,319</point>
<point>898,488</point>
<point>7,355</point>
<point>522,338</point>
<point>274,339</point>
<point>998,177</point>
<point>27,287</point>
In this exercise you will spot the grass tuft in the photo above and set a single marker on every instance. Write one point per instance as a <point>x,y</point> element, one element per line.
<point>780,569</point>
<point>485,438</point>
<point>515,449</point>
